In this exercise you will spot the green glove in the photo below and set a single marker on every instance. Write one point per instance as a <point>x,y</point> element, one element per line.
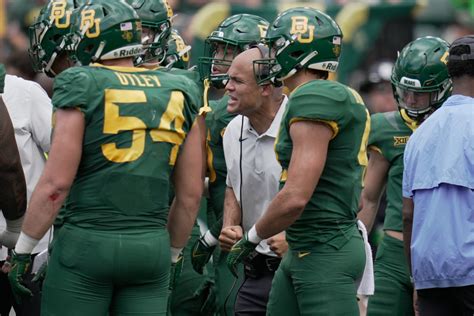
<point>19,266</point>
<point>175,271</point>
<point>200,254</point>
<point>239,252</point>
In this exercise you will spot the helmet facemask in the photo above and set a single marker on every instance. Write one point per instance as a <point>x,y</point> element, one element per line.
<point>234,35</point>
<point>215,67</point>
<point>178,53</point>
<point>154,41</point>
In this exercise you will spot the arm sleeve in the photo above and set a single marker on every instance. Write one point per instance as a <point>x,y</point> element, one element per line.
<point>71,90</point>
<point>227,152</point>
<point>321,106</point>
<point>192,104</point>
<point>375,142</point>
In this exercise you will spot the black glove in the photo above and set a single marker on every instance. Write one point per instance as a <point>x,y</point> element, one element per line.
<point>200,254</point>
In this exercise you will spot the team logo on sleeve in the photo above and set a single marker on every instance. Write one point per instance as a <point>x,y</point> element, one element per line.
<point>400,140</point>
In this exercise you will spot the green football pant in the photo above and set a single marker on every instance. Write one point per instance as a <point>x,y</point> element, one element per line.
<point>101,273</point>
<point>192,289</point>
<point>320,281</point>
<point>227,286</point>
<point>393,290</point>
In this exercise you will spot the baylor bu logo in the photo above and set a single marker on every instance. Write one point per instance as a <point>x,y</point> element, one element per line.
<point>59,13</point>
<point>89,22</point>
<point>400,140</point>
<point>299,25</point>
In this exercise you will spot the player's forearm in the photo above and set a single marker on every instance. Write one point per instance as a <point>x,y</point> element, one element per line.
<point>283,211</point>
<point>44,206</point>
<point>407,213</point>
<point>232,214</point>
<point>181,221</point>
<point>368,212</point>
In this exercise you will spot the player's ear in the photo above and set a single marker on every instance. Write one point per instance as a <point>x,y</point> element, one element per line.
<point>266,90</point>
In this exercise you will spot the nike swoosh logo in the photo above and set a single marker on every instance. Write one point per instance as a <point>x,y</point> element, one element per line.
<point>242,139</point>
<point>303,254</point>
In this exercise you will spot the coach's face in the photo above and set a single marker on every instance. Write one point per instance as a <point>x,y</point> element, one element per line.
<point>245,95</point>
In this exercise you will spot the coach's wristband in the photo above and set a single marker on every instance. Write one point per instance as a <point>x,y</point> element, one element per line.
<point>25,244</point>
<point>210,239</point>
<point>253,237</point>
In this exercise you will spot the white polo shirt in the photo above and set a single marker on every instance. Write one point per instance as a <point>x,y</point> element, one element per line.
<point>260,168</point>
<point>30,111</point>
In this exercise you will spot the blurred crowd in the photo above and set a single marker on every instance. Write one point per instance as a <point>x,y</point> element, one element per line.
<point>369,43</point>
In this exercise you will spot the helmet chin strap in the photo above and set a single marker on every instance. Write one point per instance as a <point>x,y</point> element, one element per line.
<point>98,53</point>
<point>412,122</point>
<point>299,66</point>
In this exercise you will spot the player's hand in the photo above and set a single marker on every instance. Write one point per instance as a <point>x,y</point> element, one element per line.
<point>200,254</point>
<point>278,244</point>
<point>239,252</point>
<point>175,271</point>
<point>19,266</point>
<point>229,236</point>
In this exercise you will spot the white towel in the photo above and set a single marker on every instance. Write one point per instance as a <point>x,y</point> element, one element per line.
<point>365,285</point>
<point>40,259</point>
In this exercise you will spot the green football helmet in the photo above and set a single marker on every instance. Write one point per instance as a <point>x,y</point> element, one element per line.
<point>103,30</point>
<point>234,35</point>
<point>156,19</point>
<point>420,79</point>
<point>48,34</point>
<point>178,53</point>
<point>301,38</point>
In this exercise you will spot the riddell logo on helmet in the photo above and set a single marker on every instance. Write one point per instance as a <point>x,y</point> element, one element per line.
<point>329,66</point>
<point>127,52</point>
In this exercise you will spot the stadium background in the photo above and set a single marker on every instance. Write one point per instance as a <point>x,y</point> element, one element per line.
<point>373,29</point>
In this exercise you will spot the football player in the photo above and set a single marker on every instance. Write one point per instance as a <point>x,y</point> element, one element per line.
<point>121,135</point>
<point>233,35</point>
<point>420,83</point>
<point>321,147</point>
<point>190,290</point>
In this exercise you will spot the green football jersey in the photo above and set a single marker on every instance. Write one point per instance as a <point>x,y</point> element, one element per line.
<point>330,214</point>
<point>193,76</point>
<point>216,123</point>
<point>389,135</point>
<point>135,121</point>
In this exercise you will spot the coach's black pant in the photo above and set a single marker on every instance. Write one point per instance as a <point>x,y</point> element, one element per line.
<point>252,297</point>
<point>446,301</point>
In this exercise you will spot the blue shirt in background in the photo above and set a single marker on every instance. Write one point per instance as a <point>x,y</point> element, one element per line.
<point>439,176</point>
